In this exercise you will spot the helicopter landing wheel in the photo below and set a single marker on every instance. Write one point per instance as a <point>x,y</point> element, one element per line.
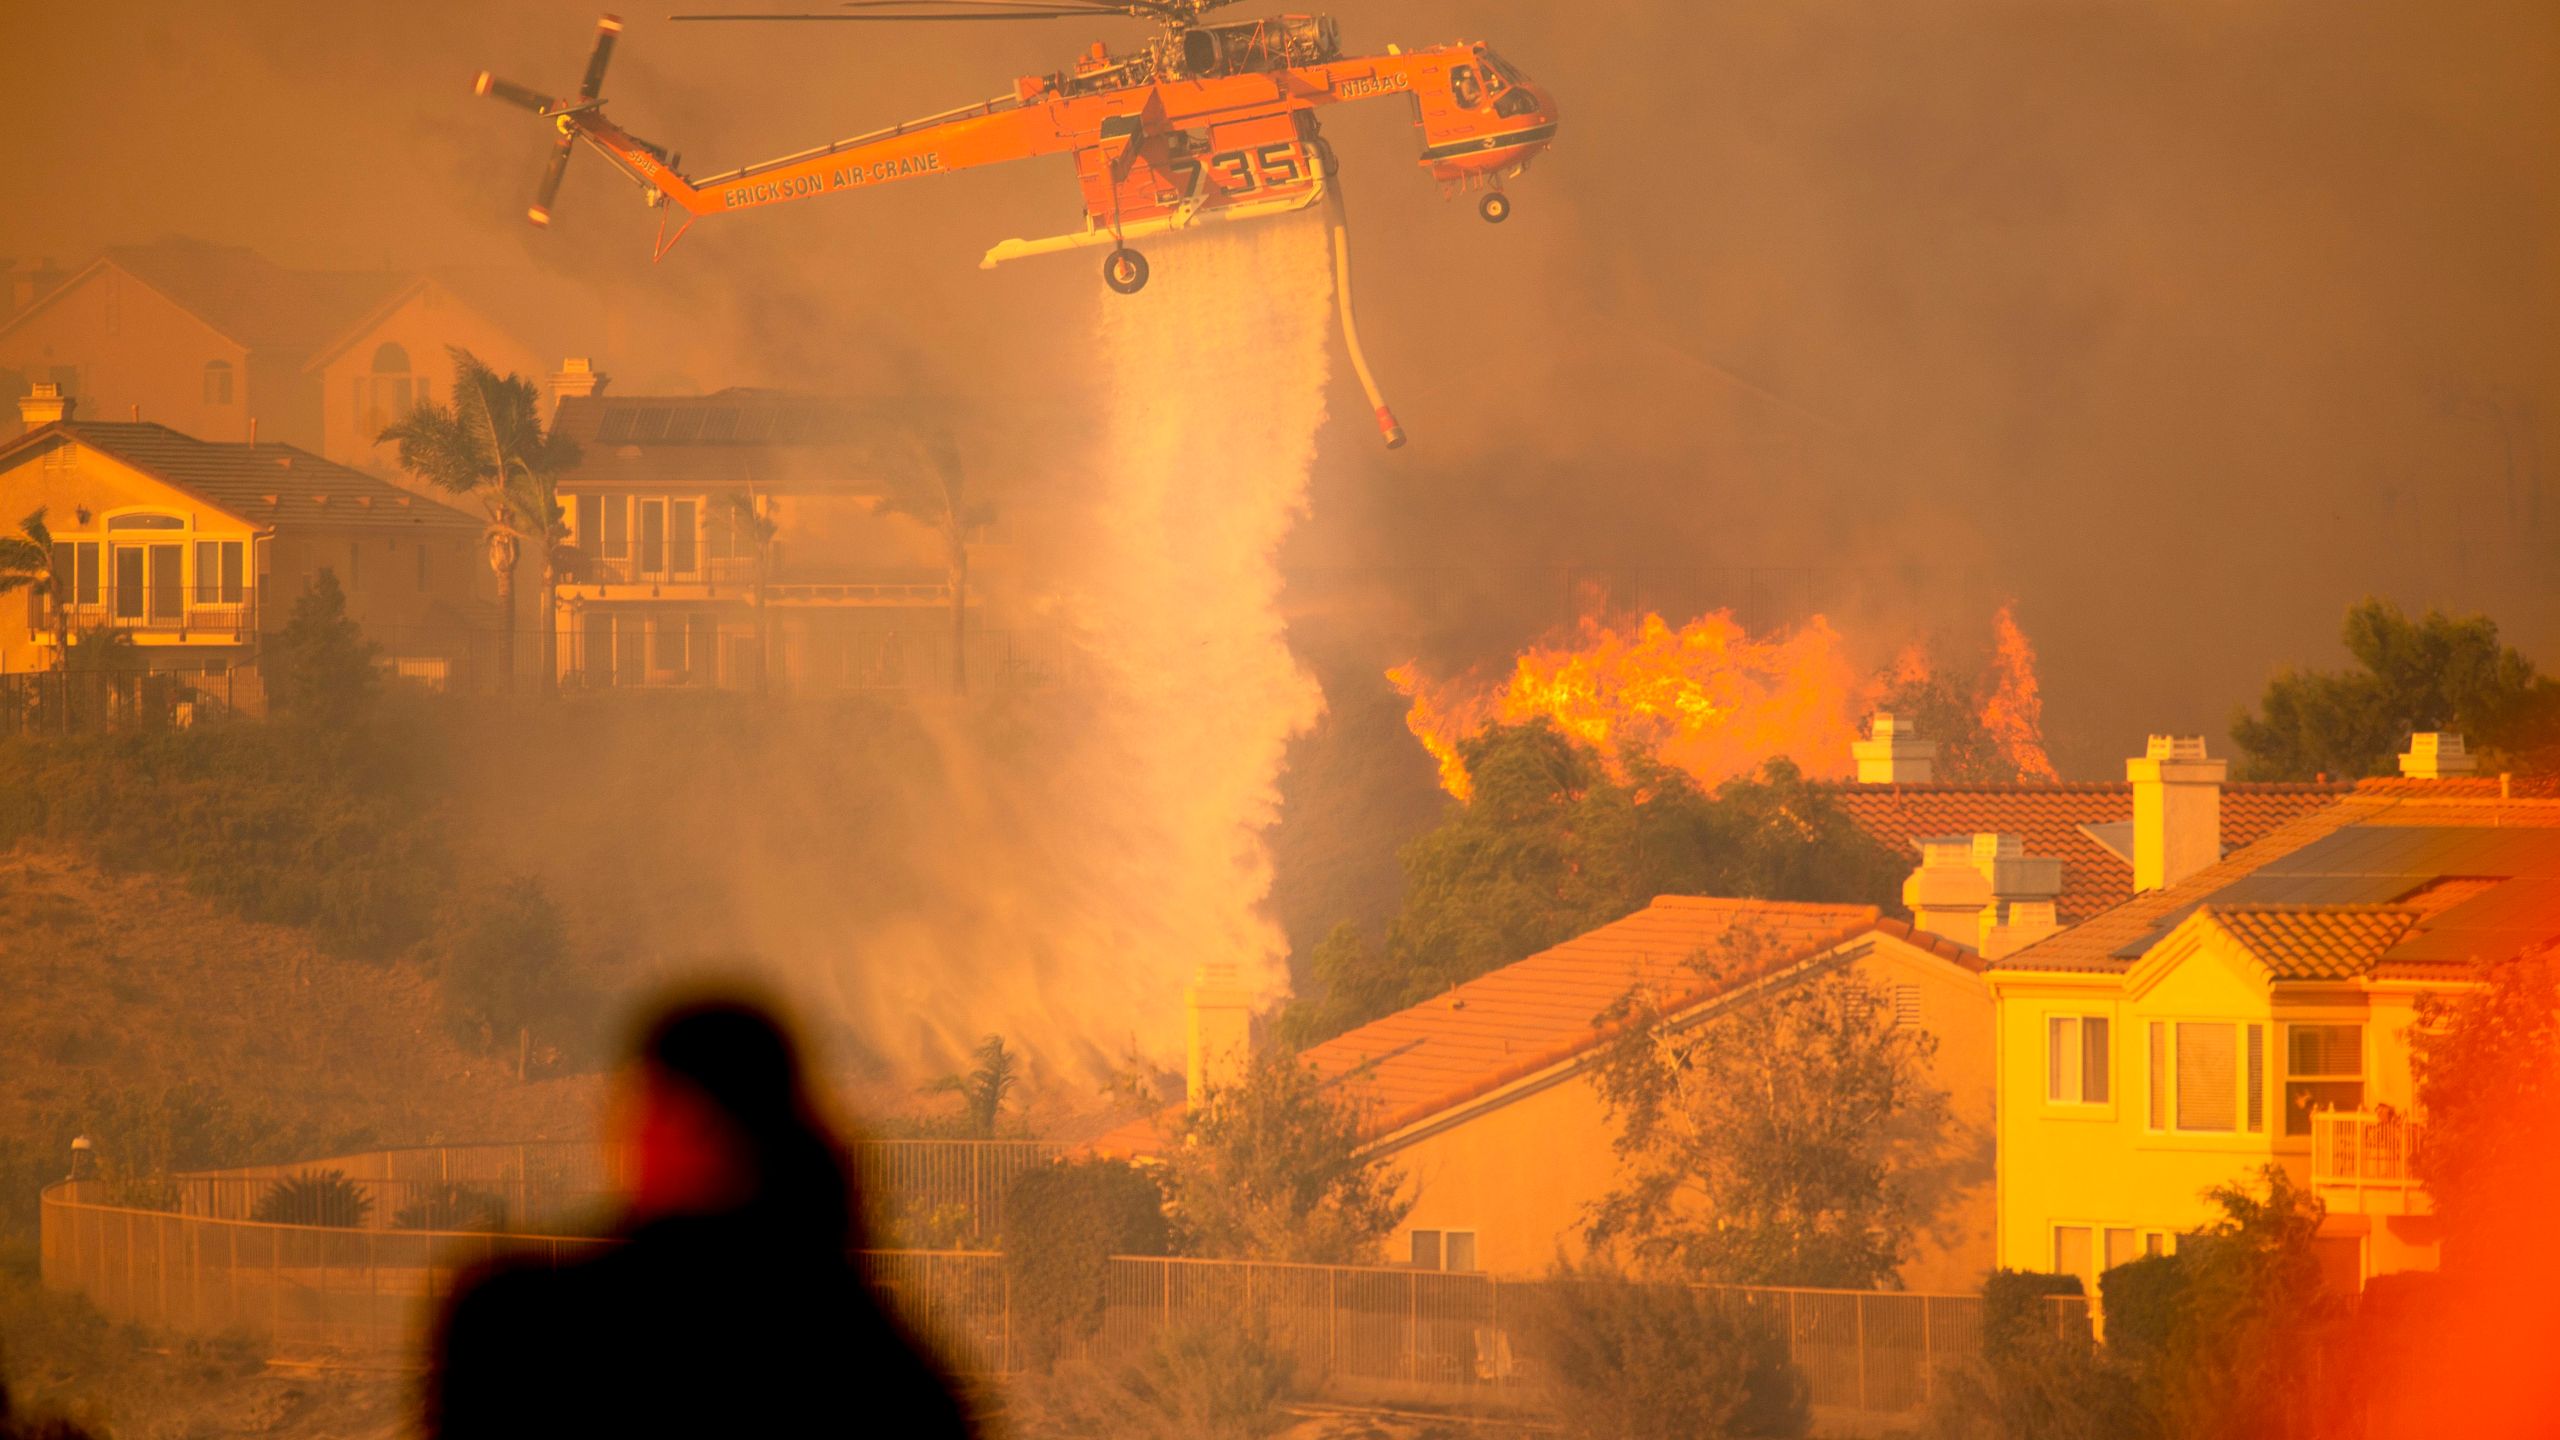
<point>1125,271</point>
<point>1495,207</point>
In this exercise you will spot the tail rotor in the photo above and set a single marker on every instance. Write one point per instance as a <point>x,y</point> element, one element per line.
<point>562,113</point>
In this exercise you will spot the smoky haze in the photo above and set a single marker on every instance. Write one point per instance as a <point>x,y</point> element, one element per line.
<point>2183,326</point>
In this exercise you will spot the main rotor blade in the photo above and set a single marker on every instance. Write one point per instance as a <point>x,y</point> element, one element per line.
<point>510,92</point>
<point>608,29</point>
<point>904,19</point>
<point>1096,7</point>
<point>549,189</point>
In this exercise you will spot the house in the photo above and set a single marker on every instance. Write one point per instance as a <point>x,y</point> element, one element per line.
<point>218,342</point>
<point>671,584</point>
<point>196,549</point>
<point>1487,1096</point>
<point>2256,1011</point>
<point>2087,826</point>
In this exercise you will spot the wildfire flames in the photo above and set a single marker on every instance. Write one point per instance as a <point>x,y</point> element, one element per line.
<point>1711,699</point>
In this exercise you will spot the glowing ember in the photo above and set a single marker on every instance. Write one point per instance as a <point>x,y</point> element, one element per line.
<point>2013,713</point>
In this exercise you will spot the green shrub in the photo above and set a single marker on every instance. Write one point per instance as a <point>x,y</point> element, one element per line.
<point>1063,1223</point>
<point>314,1197</point>
<point>452,1206</point>
<point>2015,1318</point>
<point>1629,1360</point>
<point>2145,1301</point>
<point>507,970</point>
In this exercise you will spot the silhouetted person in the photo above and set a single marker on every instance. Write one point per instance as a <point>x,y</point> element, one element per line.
<point>733,1308</point>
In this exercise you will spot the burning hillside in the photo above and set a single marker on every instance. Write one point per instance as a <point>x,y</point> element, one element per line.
<point>1715,701</point>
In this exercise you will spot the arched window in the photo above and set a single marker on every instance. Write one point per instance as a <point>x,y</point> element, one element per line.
<point>217,382</point>
<point>385,395</point>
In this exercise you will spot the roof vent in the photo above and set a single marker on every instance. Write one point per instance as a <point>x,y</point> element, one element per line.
<point>1894,753</point>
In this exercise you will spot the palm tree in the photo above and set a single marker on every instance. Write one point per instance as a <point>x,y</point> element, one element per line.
<point>936,496</point>
<point>758,529</point>
<point>983,1090</point>
<point>26,563</point>
<point>491,443</point>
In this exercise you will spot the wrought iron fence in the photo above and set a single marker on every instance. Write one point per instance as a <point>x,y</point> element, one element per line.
<point>59,702</point>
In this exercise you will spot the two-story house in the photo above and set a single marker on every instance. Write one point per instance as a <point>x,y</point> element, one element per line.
<point>217,341</point>
<point>194,549</point>
<point>735,540</point>
<point>2253,1008</point>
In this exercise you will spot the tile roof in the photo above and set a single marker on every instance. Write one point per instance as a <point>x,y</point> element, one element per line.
<point>253,300</point>
<point>769,438</point>
<point>279,485</point>
<point>2315,942</point>
<point>2368,849</point>
<point>2050,818</point>
<point>1544,1010</point>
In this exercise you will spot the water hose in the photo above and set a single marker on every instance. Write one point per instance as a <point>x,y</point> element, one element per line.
<point>1387,425</point>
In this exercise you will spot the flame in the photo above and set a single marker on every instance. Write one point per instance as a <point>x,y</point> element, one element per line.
<point>1705,697</point>
<point>2013,713</point>
<point>1712,700</point>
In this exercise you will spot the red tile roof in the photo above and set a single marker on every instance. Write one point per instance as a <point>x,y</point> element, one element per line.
<point>1544,1010</point>
<point>2049,817</point>
<point>280,485</point>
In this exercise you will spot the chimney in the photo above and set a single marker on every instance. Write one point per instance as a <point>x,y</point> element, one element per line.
<point>577,375</point>
<point>1894,753</point>
<point>2436,755</point>
<point>1220,1011</point>
<point>44,405</point>
<point>1981,890</point>
<point>2177,810</point>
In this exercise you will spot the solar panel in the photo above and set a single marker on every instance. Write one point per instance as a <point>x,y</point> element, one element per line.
<point>685,424</point>
<point>616,426</point>
<point>650,424</point>
<point>720,424</point>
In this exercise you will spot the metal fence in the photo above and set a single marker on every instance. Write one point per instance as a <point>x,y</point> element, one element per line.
<point>58,702</point>
<point>945,1192</point>
<point>1357,1334</point>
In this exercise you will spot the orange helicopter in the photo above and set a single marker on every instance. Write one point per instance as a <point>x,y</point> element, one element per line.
<point>1206,122</point>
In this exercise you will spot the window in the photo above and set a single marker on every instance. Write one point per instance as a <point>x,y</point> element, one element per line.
<point>387,393</point>
<point>1464,87</point>
<point>668,652</point>
<point>2120,1246</point>
<point>146,522</point>
<point>168,592</point>
<point>2076,1067</point>
<point>219,575</point>
<point>2217,1073</point>
<point>681,538</point>
<point>2071,1253</point>
<point>617,526</point>
<point>596,659</point>
<point>217,382</point>
<point>653,537</point>
<point>1453,1250</point>
<point>2323,1070</point>
<point>128,582</point>
<point>589,512</point>
<point>720,527</point>
<point>702,647</point>
<point>2159,1075</point>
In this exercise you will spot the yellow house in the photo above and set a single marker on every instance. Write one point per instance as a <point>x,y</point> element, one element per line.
<point>1486,1096</point>
<point>2256,1011</point>
<point>193,550</point>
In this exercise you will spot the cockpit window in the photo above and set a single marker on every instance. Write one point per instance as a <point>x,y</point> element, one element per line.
<point>1464,87</point>
<point>1502,67</point>
<point>1519,102</point>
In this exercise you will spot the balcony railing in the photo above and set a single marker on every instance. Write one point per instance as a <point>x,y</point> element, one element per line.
<point>190,614</point>
<point>2362,1151</point>
<point>630,570</point>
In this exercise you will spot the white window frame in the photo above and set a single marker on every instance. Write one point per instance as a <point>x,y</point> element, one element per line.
<point>2363,1078</point>
<point>2075,1072</point>
<point>2241,1128</point>
<point>1440,1248</point>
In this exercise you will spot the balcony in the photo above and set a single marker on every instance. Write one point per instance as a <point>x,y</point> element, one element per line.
<point>187,616</point>
<point>2364,1164</point>
<point>629,570</point>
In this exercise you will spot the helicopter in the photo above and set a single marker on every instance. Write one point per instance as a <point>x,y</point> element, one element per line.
<point>1205,122</point>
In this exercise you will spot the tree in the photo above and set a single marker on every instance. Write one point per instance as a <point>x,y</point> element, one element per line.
<point>1063,1223</point>
<point>320,663</point>
<point>2436,672</point>
<point>983,1090</point>
<point>491,443</point>
<point>1552,845</point>
<point>1947,711</point>
<point>1793,1138</point>
<point>506,977</point>
<point>757,528</point>
<point>1271,1167</point>
<point>935,495</point>
<point>26,563</point>
<point>2249,1323</point>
